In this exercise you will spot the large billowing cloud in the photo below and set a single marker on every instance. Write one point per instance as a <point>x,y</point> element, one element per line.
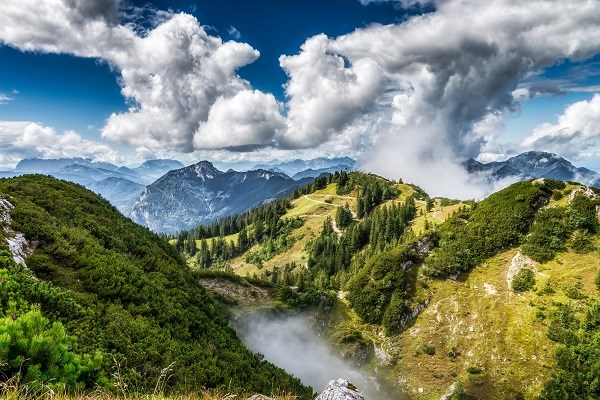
<point>463,61</point>
<point>22,139</point>
<point>324,94</point>
<point>173,74</point>
<point>459,66</point>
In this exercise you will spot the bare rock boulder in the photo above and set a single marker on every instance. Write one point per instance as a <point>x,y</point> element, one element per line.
<point>340,389</point>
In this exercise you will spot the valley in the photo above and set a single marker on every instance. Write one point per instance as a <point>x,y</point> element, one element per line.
<point>470,333</point>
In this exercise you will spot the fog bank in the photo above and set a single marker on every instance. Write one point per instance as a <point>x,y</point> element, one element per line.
<point>290,342</point>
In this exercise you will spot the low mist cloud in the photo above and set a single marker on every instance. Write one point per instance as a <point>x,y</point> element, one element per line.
<point>291,343</point>
<point>418,156</point>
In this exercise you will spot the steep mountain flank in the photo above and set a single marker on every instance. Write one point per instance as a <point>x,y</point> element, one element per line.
<point>103,301</point>
<point>201,194</point>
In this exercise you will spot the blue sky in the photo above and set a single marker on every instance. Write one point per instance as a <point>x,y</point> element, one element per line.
<point>430,80</point>
<point>68,92</point>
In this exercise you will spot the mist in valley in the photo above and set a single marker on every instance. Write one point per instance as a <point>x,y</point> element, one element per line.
<point>292,343</point>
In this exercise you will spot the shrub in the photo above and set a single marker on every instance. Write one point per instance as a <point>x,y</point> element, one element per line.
<point>548,235</point>
<point>583,213</point>
<point>582,242</point>
<point>452,352</point>
<point>523,281</point>
<point>36,350</point>
<point>574,292</point>
<point>474,369</point>
<point>428,349</point>
<point>557,196</point>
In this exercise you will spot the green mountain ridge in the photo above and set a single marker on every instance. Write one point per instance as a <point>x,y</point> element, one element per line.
<point>106,302</point>
<point>467,300</point>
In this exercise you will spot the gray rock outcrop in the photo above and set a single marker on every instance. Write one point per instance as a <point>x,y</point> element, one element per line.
<point>340,389</point>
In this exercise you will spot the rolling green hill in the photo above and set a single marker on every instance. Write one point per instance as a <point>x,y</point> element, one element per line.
<point>489,299</point>
<point>103,301</point>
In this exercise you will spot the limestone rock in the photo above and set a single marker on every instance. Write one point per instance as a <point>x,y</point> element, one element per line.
<point>340,389</point>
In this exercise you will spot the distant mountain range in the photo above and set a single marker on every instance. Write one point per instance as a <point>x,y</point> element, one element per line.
<point>200,194</point>
<point>309,168</point>
<point>84,170</point>
<point>188,196</point>
<point>533,164</point>
<point>119,185</point>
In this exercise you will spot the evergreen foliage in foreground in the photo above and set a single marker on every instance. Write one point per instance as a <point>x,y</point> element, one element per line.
<point>112,294</point>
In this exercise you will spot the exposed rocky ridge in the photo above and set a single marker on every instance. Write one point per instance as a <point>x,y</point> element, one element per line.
<point>243,292</point>
<point>20,247</point>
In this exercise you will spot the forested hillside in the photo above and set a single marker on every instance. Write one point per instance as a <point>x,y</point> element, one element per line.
<point>489,299</point>
<point>105,302</point>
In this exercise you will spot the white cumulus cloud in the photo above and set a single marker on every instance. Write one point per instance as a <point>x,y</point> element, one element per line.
<point>575,133</point>
<point>247,120</point>
<point>326,95</point>
<point>24,139</point>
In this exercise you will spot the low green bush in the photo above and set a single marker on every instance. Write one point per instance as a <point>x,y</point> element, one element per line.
<point>523,281</point>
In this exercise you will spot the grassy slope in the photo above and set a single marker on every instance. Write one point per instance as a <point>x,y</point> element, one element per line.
<point>316,207</point>
<point>497,332</point>
<point>314,210</point>
<point>141,305</point>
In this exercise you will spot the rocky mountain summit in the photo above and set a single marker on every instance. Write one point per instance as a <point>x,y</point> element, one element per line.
<point>200,194</point>
<point>531,165</point>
